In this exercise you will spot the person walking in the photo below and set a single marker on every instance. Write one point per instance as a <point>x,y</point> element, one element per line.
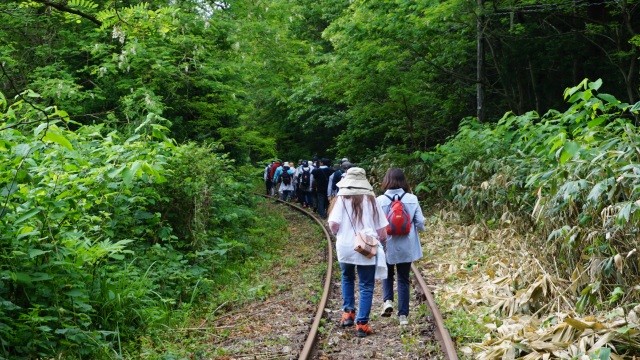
<point>320,182</point>
<point>303,179</point>
<point>354,210</point>
<point>284,176</point>
<point>400,250</point>
<point>268,180</point>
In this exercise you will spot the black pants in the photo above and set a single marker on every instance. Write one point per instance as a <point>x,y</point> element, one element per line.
<point>269,185</point>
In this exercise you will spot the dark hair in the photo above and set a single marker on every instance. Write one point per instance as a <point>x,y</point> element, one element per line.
<point>395,179</point>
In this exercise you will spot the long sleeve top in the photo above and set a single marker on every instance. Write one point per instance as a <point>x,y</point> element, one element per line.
<point>404,248</point>
<point>341,219</point>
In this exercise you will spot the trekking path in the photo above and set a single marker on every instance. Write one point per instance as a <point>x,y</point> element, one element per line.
<point>276,324</point>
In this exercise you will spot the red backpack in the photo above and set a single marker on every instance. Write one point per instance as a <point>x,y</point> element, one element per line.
<point>272,171</point>
<point>398,217</point>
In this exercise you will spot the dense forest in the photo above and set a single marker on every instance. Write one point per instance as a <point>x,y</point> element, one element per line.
<point>131,132</point>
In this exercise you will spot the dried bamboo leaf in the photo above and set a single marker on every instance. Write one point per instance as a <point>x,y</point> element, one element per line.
<point>604,340</point>
<point>619,262</point>
<point>576,324</point>
<point>543,346</point>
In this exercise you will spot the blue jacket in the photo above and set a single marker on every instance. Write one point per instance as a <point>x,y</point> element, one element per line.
<point>403,248</point>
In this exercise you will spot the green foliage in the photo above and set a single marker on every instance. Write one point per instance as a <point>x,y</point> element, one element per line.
<point>206,201</point>
<point>464,327</point>
<point>573,175</point>
<point>89,257</point>
<point>380,66</point>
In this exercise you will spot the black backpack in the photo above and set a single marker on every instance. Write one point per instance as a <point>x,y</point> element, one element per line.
<point>337,176</point>
<point>305,178</point>
<point>286,177</point>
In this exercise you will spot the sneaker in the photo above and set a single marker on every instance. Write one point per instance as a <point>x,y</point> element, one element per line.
<point>362,330</point>
<point>348,318</point>
<point>403,320</point>
<point>387,308</point>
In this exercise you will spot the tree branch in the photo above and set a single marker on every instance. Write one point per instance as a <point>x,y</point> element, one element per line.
<point>64,8</point>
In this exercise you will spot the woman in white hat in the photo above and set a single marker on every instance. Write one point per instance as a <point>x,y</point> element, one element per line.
<point>354,210</point>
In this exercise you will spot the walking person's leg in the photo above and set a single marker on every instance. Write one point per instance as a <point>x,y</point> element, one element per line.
<point>366,283</point>
<point>322,205</point>
<point>403,271</point>
<point>348,297</point>
<point>387,291</point>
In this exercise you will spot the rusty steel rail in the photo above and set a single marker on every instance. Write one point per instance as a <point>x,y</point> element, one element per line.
<point>442,334</point>
<point>313,332</point>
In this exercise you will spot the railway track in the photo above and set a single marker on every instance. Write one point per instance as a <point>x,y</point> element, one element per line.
<point>434,322</point>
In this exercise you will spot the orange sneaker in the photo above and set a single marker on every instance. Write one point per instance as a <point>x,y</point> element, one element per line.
<point>348,318</point>
<point>362,330</point>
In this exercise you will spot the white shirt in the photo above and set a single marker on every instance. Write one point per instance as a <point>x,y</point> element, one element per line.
<point>342,214</point>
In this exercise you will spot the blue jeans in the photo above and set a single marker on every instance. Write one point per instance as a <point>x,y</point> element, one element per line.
<point>306,198</point>
<point>366,281</point>
<point>403,286</point>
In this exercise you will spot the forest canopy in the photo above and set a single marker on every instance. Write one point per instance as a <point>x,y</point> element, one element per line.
<point>303,77</point>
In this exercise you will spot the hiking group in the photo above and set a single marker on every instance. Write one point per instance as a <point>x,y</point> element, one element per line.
<point>311,183</point>
<point>393,218</point>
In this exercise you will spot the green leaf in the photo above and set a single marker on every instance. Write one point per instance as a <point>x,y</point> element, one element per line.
<point>21,277</point>
<point>595,85</point>
<point>22,150</point>
<point>75,293</point>
<point>605,354</point>
<point>596,122</point>
<point>36,252</point>
<point>9,189</point>
<point>54,135</point>
<point>609,98</point>
<point>29,214</point>
<point>568,151</point>
<point>625,213</point>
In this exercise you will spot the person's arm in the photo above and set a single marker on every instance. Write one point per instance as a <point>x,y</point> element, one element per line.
<point>382,235</point>
<point>418,219</point>
<point>382,219</point>
<point>312,179</point>
<point>330,186</point>
<point>334,227</point>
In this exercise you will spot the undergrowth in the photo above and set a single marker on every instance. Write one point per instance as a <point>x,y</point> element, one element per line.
<point>108,235</point>
<point>558,193</point>
<point>571,177</point>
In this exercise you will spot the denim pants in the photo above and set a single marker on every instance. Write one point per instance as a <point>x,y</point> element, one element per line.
<point>403,270</point>
<point>306,198</point>
<point>366,281</point>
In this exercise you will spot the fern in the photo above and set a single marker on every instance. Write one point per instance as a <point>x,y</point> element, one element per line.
<point>83,5</point>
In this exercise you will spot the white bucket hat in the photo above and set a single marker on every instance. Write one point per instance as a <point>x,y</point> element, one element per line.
<point>355,183</point>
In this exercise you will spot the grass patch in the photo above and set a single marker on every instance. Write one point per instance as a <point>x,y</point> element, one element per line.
<point>464,327</point>
<point>236,283</point>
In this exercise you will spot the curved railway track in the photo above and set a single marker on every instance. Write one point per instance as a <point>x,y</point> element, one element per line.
<point>447,346</point>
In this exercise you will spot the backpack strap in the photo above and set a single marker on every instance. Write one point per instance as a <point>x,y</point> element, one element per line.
<point>399,197</point>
